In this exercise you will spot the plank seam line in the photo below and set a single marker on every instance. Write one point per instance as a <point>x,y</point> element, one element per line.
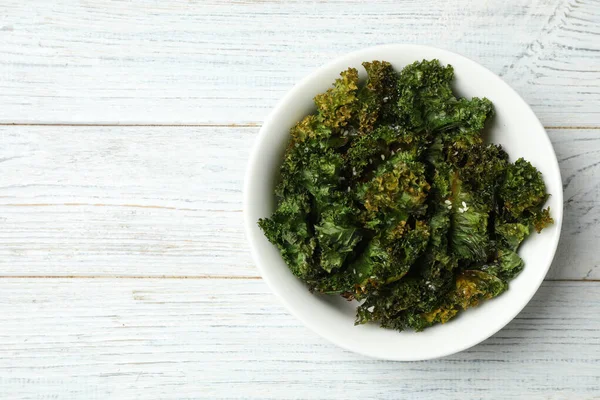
<point>191,277</point>
<point>111,205</point>
<point>208,125</point>
<point>194,277</point>
<point>200,125</point>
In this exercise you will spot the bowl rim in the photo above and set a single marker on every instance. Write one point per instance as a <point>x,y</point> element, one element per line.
<point>262,137</point>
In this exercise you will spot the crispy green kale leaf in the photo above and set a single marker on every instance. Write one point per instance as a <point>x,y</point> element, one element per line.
<point>542,219</point>
<point>386,258</point>
<point>424,88</point>
<point>417,305</point>
<point>523,190</point>
<point>482,169</point>
<point>389,256</point>
<point>400,305</point>
<point>338,105</point>
<point>289,229</point>
<point>337,235</point>
<point>511,235</point>
<point>470,289</point>
<point>462,119</point>
<point>378,96</point>
<point>368,152</point>
<point>469,238</point>
<point>399,186</point>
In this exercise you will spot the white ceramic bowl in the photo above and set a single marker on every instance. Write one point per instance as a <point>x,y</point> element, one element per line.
<point>515,127</point>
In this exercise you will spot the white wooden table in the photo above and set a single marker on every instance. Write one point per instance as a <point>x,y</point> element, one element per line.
<point>125,129</point>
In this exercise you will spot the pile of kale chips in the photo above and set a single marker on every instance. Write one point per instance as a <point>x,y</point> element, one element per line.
<point>389,195</point>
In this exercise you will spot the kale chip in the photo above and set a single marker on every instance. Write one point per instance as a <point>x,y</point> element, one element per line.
<point>389,195</point>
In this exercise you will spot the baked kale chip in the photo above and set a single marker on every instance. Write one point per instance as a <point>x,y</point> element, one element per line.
<point>389,195</point>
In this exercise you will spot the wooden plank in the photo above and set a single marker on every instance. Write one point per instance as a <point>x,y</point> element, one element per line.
<point>173,339</point>
<point>577,152</point>
<point>153,201</point>
<point>123,201</point>
<point>215,62</point>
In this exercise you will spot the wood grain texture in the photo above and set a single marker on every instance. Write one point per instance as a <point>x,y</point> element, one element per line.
<point>123,201</point>
<point>156,201</point>
<point>174,339</point>
<point>214,62</point>
<point>165,201</point>
<point>578,156</point>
